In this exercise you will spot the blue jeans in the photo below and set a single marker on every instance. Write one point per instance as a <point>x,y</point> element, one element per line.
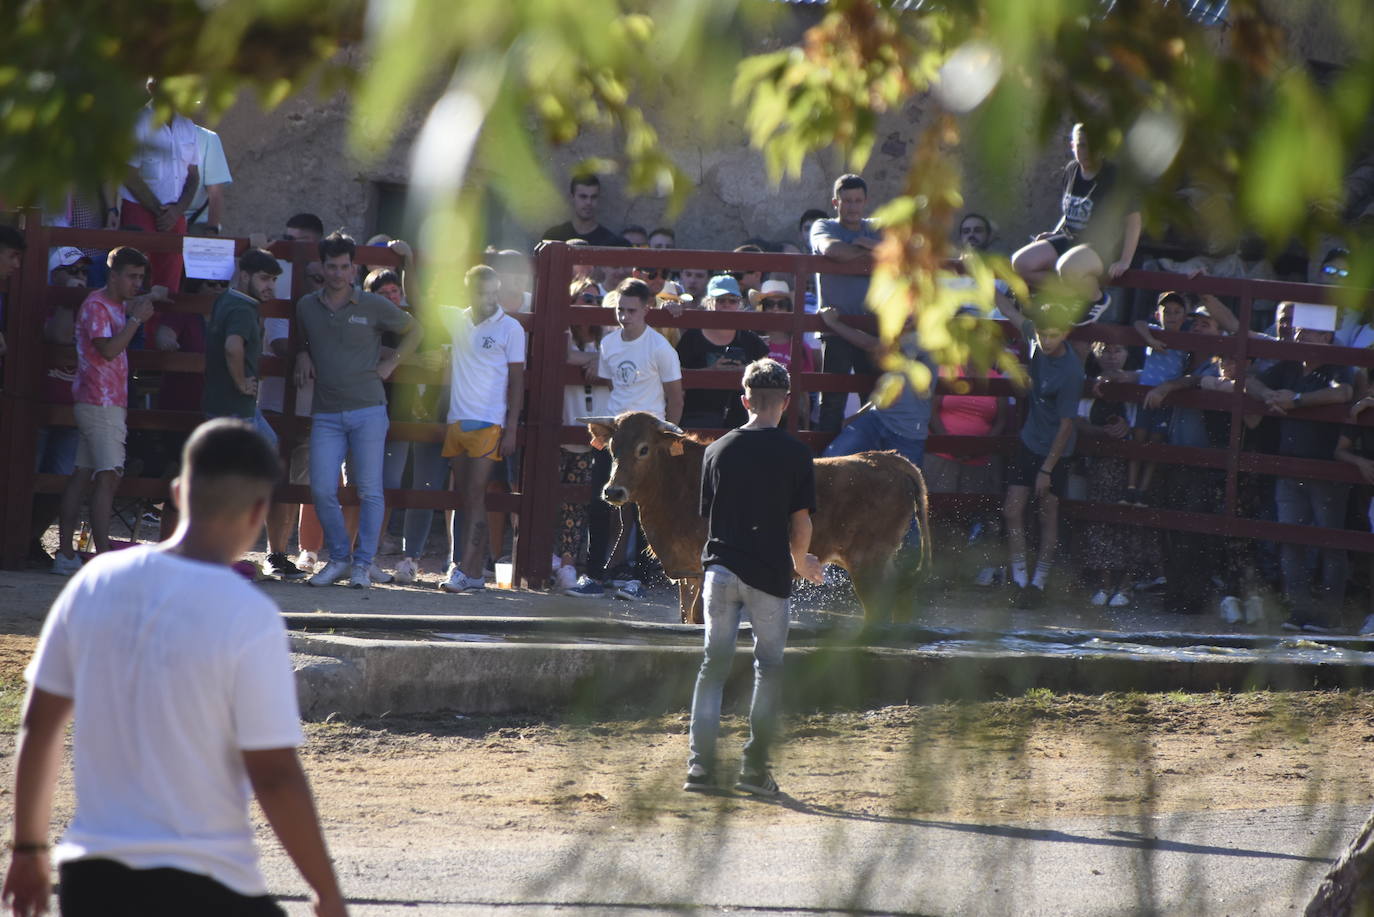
<point>867,433</point>
<point>259,423</point>
<point>429,471</point>
<point>726,597</point>
<point>361,436</point>
<point>55,452</point>
<point>1305,502</point>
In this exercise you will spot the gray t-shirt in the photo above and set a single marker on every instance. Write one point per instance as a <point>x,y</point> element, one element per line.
<point>345,346</point>
<point>845,292</point>
<point>1056,384</point>
<point>909,415</point>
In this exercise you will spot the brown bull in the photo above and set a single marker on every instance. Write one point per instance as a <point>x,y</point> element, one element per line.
<point>865,504</point>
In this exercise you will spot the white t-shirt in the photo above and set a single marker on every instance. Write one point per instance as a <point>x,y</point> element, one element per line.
<point>214,170</point>
<point>481,360</point>
<point>583,400</point>
<point>272,389</point>
<point>175,667</point>
<point>163,155</point>
<point>637,370</point>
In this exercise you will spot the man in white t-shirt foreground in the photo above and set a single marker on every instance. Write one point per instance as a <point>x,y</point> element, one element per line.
<point>180,676</point>
<point>644,373</point>
<point>484,408</point>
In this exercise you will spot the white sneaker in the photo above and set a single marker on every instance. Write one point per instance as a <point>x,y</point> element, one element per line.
<point>1231,612</point>
<point>458,581</point>
<point>1254,610</point>
<point>378,575</point>
<point>1099,598</point>
<point>307,561</point>
<point>1120,600</point>
<point>333,572</point>
<point>564,578</point>
<point>407,571</point>
<point>62,565</point>
<point>360,577</point>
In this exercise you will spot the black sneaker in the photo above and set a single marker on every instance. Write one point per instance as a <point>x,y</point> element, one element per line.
<point>757,783</point>
<point>1031,597</point>
<point>698,780</point>
<point>280,566</point>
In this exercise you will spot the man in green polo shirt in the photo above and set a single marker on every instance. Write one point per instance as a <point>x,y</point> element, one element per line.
<point>340,329</point>
<point>233,343</point>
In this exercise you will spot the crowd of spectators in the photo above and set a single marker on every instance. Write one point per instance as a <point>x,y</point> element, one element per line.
<point>351,331</point>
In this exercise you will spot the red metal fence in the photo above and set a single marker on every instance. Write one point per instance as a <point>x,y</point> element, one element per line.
<point>541,493</point>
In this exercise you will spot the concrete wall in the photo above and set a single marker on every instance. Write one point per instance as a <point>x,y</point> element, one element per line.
<point>294,159</point>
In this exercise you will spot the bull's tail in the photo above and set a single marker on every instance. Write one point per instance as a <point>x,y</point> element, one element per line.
<point>922,513</point>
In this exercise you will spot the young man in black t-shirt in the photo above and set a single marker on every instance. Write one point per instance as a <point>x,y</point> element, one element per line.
<point>757,493</point>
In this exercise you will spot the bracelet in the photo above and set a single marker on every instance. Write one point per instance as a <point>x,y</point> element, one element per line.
<point>27,848</point>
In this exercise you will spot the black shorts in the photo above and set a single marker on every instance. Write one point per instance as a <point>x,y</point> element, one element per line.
<point>1025,465</point>
<point>1062,242</point>
<point>111,889</point>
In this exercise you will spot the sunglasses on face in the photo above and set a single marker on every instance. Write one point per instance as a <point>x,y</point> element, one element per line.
<point>589,299</point>
<point>773,303</point>
<point>648,273</point>
<point>1332,271</point>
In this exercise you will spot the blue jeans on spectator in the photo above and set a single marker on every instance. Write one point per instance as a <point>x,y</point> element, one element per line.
<point>726,597</point>
<point>867,433</point>
<point>259,423</point>
<point>360,435</point>
<point>55,452</point>
<point>429,471</point>
<point>1306,502</point>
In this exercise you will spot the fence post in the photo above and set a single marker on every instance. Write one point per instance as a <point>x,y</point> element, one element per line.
<point>24,366</point>
<point>1241,344</point>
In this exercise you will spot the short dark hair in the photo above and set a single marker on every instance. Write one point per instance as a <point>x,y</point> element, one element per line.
<point>380,278</point>
<point>219,459</point>
<point>126,256</point>
<point>586,181</point>
<point>1333,253</point>
<point>307,221</point>
<point>635,227</point>
<point>974,215</point>
<point>12,238</point>
<point>337,243</point>
<point>478,272</point>
<point>811,216</point>
<point>1053,317</point>
<point>849,181</point>
<point>766,377</point>
<point>664,231</point>
<point>635,288</point>
<point>258,261</point>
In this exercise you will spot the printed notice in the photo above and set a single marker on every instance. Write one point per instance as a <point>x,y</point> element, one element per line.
<point>208,259</point>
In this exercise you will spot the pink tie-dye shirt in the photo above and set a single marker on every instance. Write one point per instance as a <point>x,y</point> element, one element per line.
<point>98,380</point>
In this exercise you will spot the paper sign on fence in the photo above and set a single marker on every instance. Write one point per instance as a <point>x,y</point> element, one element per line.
<point>208,259</point>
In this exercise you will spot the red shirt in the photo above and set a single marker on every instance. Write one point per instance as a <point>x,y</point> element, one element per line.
<point>98,380</point>
<point>968,415</point>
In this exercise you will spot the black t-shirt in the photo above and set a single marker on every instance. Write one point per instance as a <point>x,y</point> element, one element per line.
<point>1305,438</point>
<point>1094,209</point>
<point>752,481</point>
<point>598,236</point>
<point>716,407</point>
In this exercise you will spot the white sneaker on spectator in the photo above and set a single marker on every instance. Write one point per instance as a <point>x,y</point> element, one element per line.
<point>378,575</point>
<point>407,571</point>
<point>1099,598</point>
<point>1231,612</point>
<point>62,565</point>
<point>458,581</point>
<point>1120,600</point>
<point>564,578</point>
<point>360,577</point>
<point>333,572</point>
<point>1254,610</point>
<point>307,561</point>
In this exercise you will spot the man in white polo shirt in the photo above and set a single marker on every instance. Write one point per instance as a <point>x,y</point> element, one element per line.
<point>484,408</point>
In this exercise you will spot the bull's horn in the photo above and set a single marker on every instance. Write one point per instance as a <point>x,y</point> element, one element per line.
<point>599,421</point>
<point>671,428</point>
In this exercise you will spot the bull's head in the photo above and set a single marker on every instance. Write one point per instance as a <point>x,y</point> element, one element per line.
<point>637,442</point>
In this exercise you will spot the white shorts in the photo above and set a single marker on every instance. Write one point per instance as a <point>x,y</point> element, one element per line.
<point>102,433</point>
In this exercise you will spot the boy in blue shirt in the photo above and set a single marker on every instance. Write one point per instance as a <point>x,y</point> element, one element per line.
<point>1161,365</point>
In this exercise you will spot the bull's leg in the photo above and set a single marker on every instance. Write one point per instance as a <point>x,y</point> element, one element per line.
<point>872,584</point>
<point>689,599</point>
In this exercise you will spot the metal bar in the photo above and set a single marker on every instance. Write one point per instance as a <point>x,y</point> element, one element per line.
<point>1238,405</point>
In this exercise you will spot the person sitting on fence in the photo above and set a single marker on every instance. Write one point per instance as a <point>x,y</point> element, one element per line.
<point>105,324</point>
<point>488,368</point>
<point>1289,386</point>
<point>725,349</point>
<point>233,345</point>
<point>341,331</point>
<point>1161,365</point>
<point>1096,210</point>
<point>1048,436</point>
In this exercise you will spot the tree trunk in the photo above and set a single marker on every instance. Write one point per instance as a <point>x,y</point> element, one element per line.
<point>1348,889</point>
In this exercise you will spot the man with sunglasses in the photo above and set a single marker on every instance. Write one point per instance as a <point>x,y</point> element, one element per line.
<point>652,276</point>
